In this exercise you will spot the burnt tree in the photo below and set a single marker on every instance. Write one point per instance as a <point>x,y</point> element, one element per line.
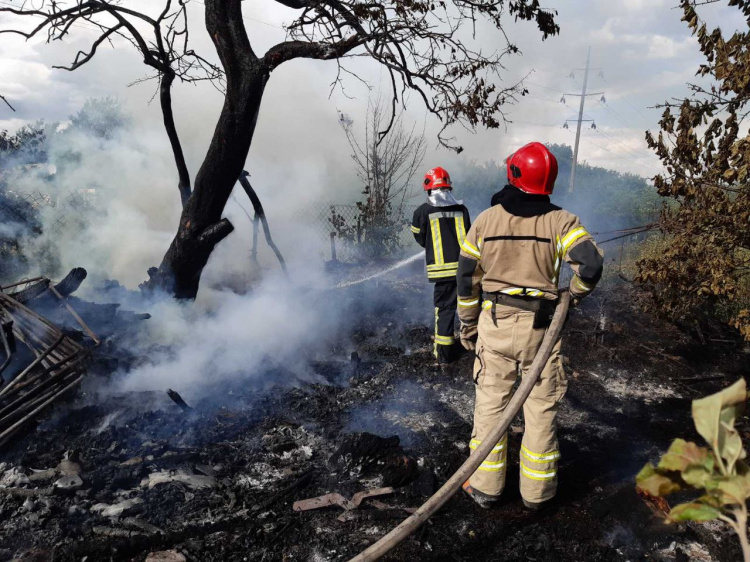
<point>425,47</point>
<point>260,217</point>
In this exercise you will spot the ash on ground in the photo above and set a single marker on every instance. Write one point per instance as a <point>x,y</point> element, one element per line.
<point>136,477</point>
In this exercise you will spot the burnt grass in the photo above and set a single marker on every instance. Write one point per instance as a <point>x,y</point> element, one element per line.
<point>381,417</point>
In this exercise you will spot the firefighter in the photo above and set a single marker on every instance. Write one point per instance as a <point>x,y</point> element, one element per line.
<point>508,277</point>
<point>440,226</point>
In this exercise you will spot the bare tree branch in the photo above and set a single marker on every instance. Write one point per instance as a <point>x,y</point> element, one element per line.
<point>386,166</point>
<point>7,103</point>
<point>260,215</point>
<point>424,46</point>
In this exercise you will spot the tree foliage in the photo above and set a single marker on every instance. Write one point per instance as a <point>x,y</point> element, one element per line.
<point>26,146</point>
<point>42,155</point>
<point>160,35</point>
<point>102,118</point>
<point>704,146</point>
<point>719,473</point>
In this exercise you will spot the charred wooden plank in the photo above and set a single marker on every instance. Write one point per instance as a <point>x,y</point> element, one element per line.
<point>75,315</point>
<point>59,367</point>
<point>177,399</point>
<point>71,282</point>
<point>32,291</point>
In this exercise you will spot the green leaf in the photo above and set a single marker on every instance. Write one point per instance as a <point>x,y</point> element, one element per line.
<point>656,483</point>
<point>732,490</point>
<point>697,476</point>
<point>732,450</point>
<point>694,512</point>
<point>714,418</point>
<point>682,454</point>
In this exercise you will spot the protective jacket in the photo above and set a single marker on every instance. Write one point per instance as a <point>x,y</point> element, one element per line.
<point>517,247</point>
<point>509,271</point>
<point>441,231</point>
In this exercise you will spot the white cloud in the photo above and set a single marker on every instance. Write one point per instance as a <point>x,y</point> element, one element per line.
<point>661,47</point>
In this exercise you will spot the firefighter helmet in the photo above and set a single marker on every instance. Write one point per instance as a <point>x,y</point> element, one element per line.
<point>437,178</point>
<point>533,169</point>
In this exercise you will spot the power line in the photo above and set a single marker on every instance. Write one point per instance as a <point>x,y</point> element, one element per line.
<point>619,117</point>
<point>626,156</point>
<point>623,155</point>
<point>626,148</point>
<point>627,127</point>
<point>542,99</point>
<point>640,161</point>
<point>630,104</point>
<point>568,77</point>
<point>543,87</point>
<point>549,126</point>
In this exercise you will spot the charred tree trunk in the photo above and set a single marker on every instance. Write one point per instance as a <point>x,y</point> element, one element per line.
<point>260,214</point>
<point>165,98</point>
<point>201,224</point>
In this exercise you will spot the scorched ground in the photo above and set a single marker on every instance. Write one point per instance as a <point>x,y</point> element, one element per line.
<point>117,477</point>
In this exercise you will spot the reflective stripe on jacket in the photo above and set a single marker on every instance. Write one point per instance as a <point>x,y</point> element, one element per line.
<point>441,231</point>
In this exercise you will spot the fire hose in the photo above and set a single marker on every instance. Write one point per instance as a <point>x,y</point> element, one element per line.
<point>419,517</point>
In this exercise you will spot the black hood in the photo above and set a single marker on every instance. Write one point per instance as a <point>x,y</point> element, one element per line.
<point>523,204</point>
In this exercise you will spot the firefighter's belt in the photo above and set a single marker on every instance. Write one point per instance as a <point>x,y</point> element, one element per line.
<point>543,309</point>
<point>524,303</point>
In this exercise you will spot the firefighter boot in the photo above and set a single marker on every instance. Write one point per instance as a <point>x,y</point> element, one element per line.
<point>485,501</point>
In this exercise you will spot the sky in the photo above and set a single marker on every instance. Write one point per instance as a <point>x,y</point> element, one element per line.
<point>641,52</point>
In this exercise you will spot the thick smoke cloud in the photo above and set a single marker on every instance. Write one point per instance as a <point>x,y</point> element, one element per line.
<point>105,204</point>
<point>255,340</point>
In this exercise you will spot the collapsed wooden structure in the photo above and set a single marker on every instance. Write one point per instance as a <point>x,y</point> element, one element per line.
<point>58,363</point>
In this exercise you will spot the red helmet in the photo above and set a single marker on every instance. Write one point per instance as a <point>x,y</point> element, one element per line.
<point>533,169</point>
<point>437,178</point>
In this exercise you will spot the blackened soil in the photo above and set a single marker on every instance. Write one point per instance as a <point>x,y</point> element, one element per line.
<point>629,396</point>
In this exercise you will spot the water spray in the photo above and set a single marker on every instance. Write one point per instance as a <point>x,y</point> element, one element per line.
<point>394,267</point>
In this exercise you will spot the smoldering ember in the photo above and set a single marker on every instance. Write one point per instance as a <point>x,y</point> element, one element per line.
<point>337,280</point>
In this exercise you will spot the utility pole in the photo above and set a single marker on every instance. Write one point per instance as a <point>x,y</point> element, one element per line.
<point>580,120</point>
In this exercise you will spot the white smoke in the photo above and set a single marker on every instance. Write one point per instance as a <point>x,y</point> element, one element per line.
<point>111,206</point>
<point>198,348</point>
<point>105,204</point>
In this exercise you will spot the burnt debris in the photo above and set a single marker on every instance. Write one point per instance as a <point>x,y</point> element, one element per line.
<point>131,477</point>
<point>58,367</point>
<point>46,346</point>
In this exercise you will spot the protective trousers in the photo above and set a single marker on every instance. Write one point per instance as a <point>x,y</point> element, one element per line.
<point>446,303</point>
<point>506,348</point>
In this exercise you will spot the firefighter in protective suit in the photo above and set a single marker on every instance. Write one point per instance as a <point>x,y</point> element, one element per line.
<point>508,277</point>
<point>440,226</point>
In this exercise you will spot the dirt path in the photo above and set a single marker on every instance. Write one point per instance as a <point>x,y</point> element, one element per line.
<point>257,451</point>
